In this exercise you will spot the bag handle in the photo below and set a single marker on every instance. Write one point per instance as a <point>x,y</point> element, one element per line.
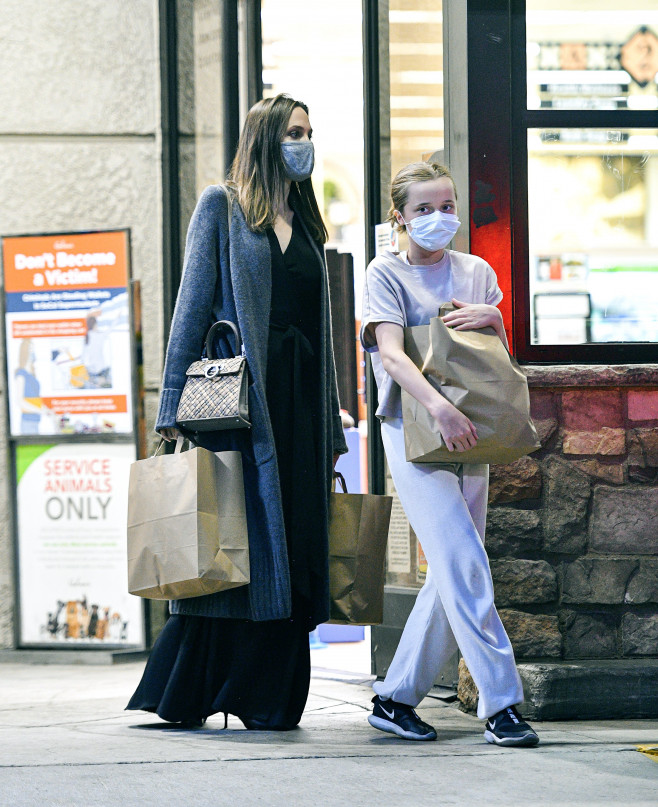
<point>221,325</point>
<point>340,478</point>
<point>179,444</point>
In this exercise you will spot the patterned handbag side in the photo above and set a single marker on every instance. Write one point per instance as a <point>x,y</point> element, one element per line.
<point>215,395</point>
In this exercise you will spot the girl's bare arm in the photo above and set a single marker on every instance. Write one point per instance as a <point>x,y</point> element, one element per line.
<point>456,429</point>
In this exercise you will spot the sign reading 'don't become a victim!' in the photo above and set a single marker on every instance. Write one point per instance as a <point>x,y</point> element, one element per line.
<point>69,358</point>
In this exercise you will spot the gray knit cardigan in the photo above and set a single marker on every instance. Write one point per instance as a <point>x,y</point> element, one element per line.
<point>230,277</point>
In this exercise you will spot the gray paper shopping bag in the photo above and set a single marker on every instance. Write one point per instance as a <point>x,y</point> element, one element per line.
<point>187,525</point>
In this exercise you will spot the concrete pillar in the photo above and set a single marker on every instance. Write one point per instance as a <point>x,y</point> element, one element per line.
<point>79,150</point>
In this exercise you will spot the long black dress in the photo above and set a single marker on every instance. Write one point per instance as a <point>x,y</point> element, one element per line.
<point>260,671</point>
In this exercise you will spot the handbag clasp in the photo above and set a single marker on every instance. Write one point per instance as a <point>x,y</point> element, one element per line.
<point>212,371</point>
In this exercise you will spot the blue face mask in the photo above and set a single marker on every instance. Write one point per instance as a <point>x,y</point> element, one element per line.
<point>298,159</point>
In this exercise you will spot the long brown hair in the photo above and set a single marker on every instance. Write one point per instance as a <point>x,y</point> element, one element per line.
<point>258,175</point>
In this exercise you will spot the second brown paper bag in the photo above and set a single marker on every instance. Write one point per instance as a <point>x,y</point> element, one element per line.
<point>358,532</point>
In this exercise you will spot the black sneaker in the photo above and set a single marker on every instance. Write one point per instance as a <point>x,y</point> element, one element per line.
<point>399,718</point>
<point>507,727</point>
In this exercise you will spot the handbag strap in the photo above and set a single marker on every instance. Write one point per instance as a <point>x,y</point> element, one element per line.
<point>222,325</point>
<point>229,205</point>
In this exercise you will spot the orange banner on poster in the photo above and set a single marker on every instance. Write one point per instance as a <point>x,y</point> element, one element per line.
<point>87,405</point>
<point>34,329</point>
<point>44,263</point>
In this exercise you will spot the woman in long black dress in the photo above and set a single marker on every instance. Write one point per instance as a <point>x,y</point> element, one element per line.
<point>224,652</point>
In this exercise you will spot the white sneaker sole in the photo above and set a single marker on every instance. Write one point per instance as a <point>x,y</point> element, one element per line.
<point>525,741</point>
<point>393,728</point>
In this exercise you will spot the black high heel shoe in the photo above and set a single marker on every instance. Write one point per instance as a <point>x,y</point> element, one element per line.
<point>195,723</point>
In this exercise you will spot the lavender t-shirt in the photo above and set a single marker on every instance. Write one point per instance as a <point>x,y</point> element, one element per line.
<point>407,295</point>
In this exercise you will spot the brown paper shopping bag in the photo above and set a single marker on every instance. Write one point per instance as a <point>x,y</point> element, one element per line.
<point>476,373</point>
<point>187,525</point>
<point>358,532</point>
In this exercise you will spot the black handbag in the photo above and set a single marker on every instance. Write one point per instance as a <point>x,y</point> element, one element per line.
<point>215,395</point>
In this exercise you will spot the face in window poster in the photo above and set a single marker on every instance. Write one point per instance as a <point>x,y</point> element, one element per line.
<point>71,519</point>
<point>68,334</point>
<point>639,56</point>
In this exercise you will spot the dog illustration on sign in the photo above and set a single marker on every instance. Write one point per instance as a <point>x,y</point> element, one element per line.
<point>85,622</point>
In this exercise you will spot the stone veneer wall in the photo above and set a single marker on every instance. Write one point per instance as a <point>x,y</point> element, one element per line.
<point>572,531</point>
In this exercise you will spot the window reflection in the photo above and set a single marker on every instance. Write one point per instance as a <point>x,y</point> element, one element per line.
<point>593,235</point>
<point>313,52</point>
<point>208,94</point>
<point>416,81</point>
<point>594,54</point>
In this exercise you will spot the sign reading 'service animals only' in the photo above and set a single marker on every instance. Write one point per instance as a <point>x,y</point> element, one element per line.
<point>72,501</point>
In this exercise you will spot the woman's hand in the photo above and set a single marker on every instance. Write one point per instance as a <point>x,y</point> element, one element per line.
<point>170,433</point>
<point>458,432</point>
<point>471,316</point>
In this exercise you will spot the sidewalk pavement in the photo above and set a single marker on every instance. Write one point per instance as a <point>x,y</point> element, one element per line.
<point>66,741</point>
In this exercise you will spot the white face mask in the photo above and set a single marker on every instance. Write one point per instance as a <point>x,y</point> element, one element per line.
<point>434,231</point>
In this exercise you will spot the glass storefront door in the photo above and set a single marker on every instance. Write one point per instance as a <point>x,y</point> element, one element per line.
<point>410,129</point>
<point>414,121</point>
